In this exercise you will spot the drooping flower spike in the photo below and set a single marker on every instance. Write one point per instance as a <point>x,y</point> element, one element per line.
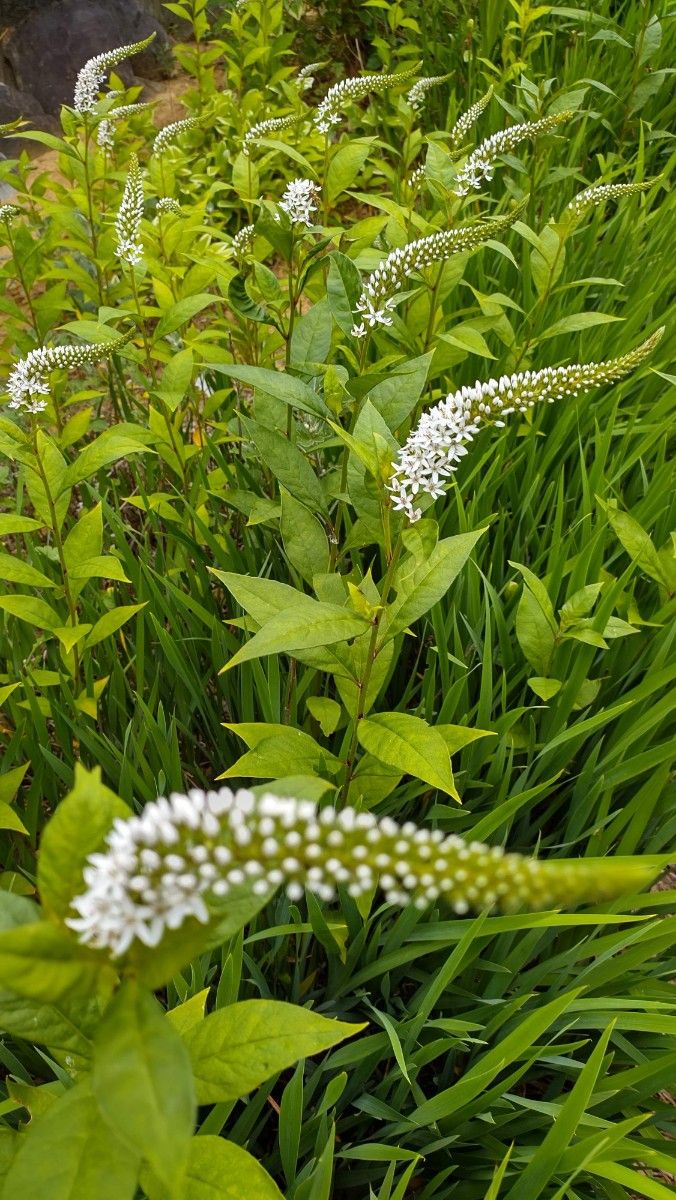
<point>418,93</point>
<point>105,133</point>
<point>169,133</point>
<point>263,128</point>
<point>441,439</point>
<point>28,385</point>
<point>330,109</point>
<point>243,241</point>
<point>481,163</point>
<point>129,216</point>
<point>598,194</point>
<point>184,854</point>
<point>8,212</point>
<point>96,70</point>
<point>469,118</point>
<point>299,201</point>
<point>167,204</point>
<point>306,76</point>
<point>378,298</point>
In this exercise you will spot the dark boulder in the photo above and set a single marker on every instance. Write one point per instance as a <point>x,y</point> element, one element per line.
<point>15,104</point>
<point>49,46</point>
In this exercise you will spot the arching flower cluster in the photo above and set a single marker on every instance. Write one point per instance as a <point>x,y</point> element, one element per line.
<point>378,298</point>
<point>306,76</point>
<point>418,93</point>
<point>442,437</point>
<point>481,162</point>
<point>469,118</point>
<point>263,128</point>
<point>130,214</point>
<point>243,241</point>
<point>346,92</point>
<point>184,854</point>
<point>299,201</point>
<point>416,178</point>
<point>105,133</point>
<point>167,205</point>
<point>27,384</point>
<point>169,133</point>
<point>599,193</point>
<point>8,212</point>
<point>96,70</point>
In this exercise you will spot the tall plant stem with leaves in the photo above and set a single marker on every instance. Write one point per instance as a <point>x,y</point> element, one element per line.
<point>58,540</point>
<point>89,192</point>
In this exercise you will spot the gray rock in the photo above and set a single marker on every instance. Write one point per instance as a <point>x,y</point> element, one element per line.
<point>47,49</point>
<point>13,104</point>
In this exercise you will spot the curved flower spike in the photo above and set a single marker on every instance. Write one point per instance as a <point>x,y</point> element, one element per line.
<point>598,194</point>
<point>95,71</point>
<point>467,119</point>
<point>187,852</point>
<point>480,164</point>
<point>27,384</point>
<point>169,133</point>
<point>329,111</point>
<point>418,93</point>
<point>263,128</point>
<point>378,298</point>
<point>435,447</point>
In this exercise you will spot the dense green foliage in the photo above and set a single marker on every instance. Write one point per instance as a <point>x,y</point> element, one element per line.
<point>204,577</point>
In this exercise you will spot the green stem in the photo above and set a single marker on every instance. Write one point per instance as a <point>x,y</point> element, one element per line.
<point>58,542</point>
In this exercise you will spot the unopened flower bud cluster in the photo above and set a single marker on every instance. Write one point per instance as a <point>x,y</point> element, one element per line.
<point>379,295</point>
<point>263,128</point>
<point>96,70</point>
<point>242,242</point>
<point>8,212</point>
<point>443,435</point>
<point>105,133</point>
<point>330,109</point>
<point>299,201</point>
<point>599,193</point>
<point>167,204</point>
<point>306,76</point>
<point>188,852</point>
<point>27,384</point>
<point>481,163</point>
<point>169,133</point>
<point>128,221</point>
<point>418,93</point>
<point>469,118</point>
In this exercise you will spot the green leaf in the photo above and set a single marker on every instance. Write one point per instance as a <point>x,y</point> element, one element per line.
<point>320,625</point>
<point>42,962</point>
<point>419,589</point>
<point>176,379</point>
<point>67,1153</point>
<point>545,688</point>
<point>10,783</point>
<point>410,745</point>
<point>77,828</point>
<point>53,466</point>
<point>345,166</point>
<point>220,1170</point>
<point>30,609</point>
<point>326,712</point>
<point>237,1048</point>
<point>577,321</point>
<point>311,338</point>
<point>288,464</point>
<point>143,1085</point>
<point>305,541</point>
<point>110,446</point>
<point>636,542</point>
<point>396,397</point>
<point>9,523</point>
<point>534,632</point>
<point>15,570</point>
<point>283,387</point>
<point>66,1026</point>
<point>110,622</point>
<point>183,311</point>
<point>10,820</point>
<point>288,752</point>
<point>103,566</point>
<point>343,288</point>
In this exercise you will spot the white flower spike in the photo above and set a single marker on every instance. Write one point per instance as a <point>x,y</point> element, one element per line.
<point>27,384</point>
<point>129,216</point>
<point>299,201</point>
<point>329,111</point>
<point>435,447</point>
<point>418,93</point>
<point>169,133</point>
<point>185,853</point>
<point>469,118</point>
<point>96,70</point>
<point>481,163</point>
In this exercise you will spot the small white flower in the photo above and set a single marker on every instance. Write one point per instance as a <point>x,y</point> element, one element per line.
<point>129,216</point>
<point>599,193</point>
<point>434,448</point>
<point>299,201</point>
<point>95,72</point>
<point>481,163</point>
<point>243,242</point>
